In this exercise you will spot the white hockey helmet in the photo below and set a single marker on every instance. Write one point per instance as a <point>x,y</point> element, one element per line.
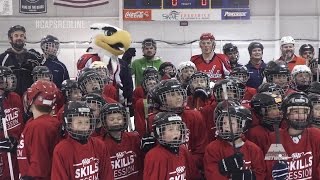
<point>300,69</point>
<point>287,40</point>
<point>185,64</point>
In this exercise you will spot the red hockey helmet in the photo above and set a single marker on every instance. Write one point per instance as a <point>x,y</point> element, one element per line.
<point>207,36</point>
<point>41,93</point>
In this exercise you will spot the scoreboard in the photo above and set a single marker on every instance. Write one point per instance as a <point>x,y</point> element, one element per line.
<point>185,4</point>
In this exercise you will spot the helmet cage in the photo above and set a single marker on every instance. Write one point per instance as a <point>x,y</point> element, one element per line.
<point>238,92</point>
<point>8,82</point>
<point>122,127</point>
<point>226,135</point>
<point>91,79</point>
<point>298,124</point>
<point>38,76</point>
<point>50,48</point>
<point>285,75</point>
<point>315,120</point>
<point>145,82</point>
<point>268,120</point>
<point>198,77</point>
<point>163,99</point>
<point>160,130</point>
<point>77,134</point>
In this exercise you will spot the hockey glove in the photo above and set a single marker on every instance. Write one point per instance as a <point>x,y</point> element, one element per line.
<point>231,164</point>
<point>147,143</point>
<point>244,174</point>
<point>280,170</point>
<point>8,144</point>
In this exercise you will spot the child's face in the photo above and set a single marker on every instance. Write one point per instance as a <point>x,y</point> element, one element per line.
<point>199,82</point>
<point>75,95</point>
<point>186,73</point>
<point>280,79</point>
<point>174,99</point>
<point>95,109</point>
<point>172,132</point>
<point>115,119</point>
<point>226,124</point>
<point>273,112</point>
<point>150,83</point>
<point>298,113</point>
<point>303,78</point>
<point>230,93</point>
<point>316,110</point>
<point>92,85</point>
<point>80,123</point>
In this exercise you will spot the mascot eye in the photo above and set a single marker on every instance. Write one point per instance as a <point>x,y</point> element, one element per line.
<point>109,31</point>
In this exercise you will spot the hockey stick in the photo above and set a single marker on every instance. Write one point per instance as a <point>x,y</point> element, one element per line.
<point>146,114</point>
<point>276,151</point>
<point>5,132</point>
<point>225,95</point>
<point>318,65</point>
<point>130,127</point>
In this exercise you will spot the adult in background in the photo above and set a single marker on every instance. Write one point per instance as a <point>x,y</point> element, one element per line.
<point>149,50</point>
<point>50,47</point>
<point>306,51</point>
<point>217,66</point>
<point>255,65</point>
<point>287,53</point>
<point>19,59</point>
<point>232,52</point>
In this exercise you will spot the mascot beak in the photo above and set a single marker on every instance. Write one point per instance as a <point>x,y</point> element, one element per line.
<point>116,43</point>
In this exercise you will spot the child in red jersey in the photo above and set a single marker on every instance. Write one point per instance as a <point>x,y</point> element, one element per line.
<point>169,159</point>
<point>230,156</point>
<point>12,111</point>
<point>80,156</point>
<point>40,134</point>
<point>300,143</point>
<point>124,147</point>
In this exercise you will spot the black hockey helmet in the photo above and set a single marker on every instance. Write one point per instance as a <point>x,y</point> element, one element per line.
<point>305,47</point>
<point>163,67</point>
<point>41,72</point>
<point>315,100</point>
<point>255,45</point>
<point>314,87</point>
<point>201,77</point>
<point>229,47</point>
<point>8,80</point>
<point>92,77</point>
<point>241,73</point>
<point>242,116</point>
<point>113,108</point>
<point>149,42</point>
<point>159,94</point>
<point>270,87</point>
<point>297,100</point>
<point>234,85</point>
<point>164,120</point>
<point>68,86</point>
<point>261,103</point>
<point>78,109</point>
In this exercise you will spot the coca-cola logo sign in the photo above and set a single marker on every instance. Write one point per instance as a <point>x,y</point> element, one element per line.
<point>137,15</point>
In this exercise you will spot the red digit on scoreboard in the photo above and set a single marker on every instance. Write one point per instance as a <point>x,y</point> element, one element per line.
<point>204,2</point>
<point>174,2</point>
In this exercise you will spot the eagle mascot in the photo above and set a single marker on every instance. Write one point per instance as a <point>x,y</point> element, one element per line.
<point>107,43</point>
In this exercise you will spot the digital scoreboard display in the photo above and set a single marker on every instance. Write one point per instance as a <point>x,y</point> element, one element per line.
<point>184,4</point>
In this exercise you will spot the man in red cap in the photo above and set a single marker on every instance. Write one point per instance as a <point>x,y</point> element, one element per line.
<point>217,66</point>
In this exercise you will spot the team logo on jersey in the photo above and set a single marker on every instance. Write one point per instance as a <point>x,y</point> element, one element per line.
<point>123,164</point>
<point>300,165</point>
<point>87,169</point>
<point>179,173</point>
<point>12,117</point>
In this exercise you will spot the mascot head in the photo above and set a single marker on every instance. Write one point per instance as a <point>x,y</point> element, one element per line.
<point>109,40</point>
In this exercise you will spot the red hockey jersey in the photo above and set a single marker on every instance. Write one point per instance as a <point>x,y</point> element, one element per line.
<point>218,68</point>
<point>304,156</point>
<point>35,148</point>
<point>217,150</point>
<point>138,93</point>
<point>13,110</point>
<point>75,161</point>
<point>126,156</point>
<point>161,164</point>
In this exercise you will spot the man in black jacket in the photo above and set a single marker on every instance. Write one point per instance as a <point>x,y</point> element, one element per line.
<point>19,59</point>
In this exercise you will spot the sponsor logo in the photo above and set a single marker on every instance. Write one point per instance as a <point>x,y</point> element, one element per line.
<point>137,15</point>
<point>235,14</point>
